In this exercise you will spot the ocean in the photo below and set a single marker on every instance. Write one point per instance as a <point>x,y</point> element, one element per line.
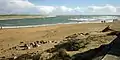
<point>63,19</point>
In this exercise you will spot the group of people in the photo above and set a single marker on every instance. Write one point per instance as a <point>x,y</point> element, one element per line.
<point>103,21</point>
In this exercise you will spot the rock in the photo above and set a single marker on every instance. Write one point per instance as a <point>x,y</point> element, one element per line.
<point>51,50</point>
<point>60,55</point>
<point>14,47</point>
<point>32,56</point>
<point>86,33</point>
<point>1,49</point>
<point>52,41</point>
<point>72,45</point>
<point>114,33</point>
<point>46,56</point>
<point>56,55</point>
<point>80,33</point>
<point>38,42</point>
<point>107,29</point>
<point>24,47</point>
<point>111,57</point>
<point>55,41</point>
<point>43,42</point>
<point>36,57</point>
<point>21,42</point>
<point>71,36</point>
<point>24,57</point>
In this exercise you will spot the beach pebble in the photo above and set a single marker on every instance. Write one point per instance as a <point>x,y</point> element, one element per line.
<point>56,42</point>
<point>86,33</point>
<point>21,42</point>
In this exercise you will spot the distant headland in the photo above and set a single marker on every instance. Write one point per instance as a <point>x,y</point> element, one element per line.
<point>18,16</point>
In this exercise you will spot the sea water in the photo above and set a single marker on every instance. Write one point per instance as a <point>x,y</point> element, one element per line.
<point>65,19</point>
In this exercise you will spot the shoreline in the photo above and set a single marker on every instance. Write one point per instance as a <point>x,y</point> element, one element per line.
<point>32,26</point>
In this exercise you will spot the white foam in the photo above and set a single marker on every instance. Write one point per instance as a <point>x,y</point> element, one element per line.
<point>27,26</point>
<point>37,25</point>
<point>52,24</point>
<point>76,22</point>
<point>97,18</point>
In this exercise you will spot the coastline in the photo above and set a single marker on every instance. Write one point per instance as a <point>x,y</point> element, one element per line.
<point>32,26</point>
<point>19,17</point>
<point>44,25</point>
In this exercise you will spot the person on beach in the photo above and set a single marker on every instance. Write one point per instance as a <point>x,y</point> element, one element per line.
<point>104,21</point>
<point>101,21</point>
<point>0,26</point>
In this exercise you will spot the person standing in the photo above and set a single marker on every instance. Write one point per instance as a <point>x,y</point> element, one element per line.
<point>0,26</point>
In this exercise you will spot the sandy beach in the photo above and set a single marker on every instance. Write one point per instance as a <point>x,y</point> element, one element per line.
<point>13,37</point>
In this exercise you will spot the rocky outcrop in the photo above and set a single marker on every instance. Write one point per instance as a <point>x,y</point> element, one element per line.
<point>57,55</point>
<point>73,42</point>
<point>106,29</point>
<point>26,46</point>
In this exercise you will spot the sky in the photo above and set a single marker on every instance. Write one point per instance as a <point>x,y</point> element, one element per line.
<point>60,7</point>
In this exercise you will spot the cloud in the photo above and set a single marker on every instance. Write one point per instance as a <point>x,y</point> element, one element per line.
<point>14,6</point>
<point>106,9</point>
<point>65,9</point>
<point>26,7</point>
<point>45,9</point>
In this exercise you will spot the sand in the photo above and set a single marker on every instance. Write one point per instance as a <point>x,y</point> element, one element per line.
<point>13,37</point>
